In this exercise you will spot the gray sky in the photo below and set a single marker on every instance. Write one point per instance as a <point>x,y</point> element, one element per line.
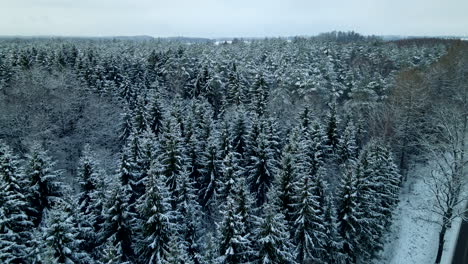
<point>223,18</point>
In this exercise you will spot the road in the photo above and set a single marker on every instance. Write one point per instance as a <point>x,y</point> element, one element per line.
<point>461,249</point>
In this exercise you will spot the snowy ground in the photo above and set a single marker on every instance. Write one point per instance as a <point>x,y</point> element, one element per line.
<point>412,239</point>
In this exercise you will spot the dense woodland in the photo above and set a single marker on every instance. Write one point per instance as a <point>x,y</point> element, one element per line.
<point>260,151</point>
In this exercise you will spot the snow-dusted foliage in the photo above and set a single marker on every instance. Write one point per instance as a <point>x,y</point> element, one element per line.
<point>256,151</point>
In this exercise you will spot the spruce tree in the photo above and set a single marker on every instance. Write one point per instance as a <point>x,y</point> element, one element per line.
<point>178,252</point>
<point>285,183</point>
<point>261,169</point>
<point>231,172</point>
<point>60,238</point>
<point>239,132</point>
<point>44,189</point>
<point>156,114</point>
<point>156,221</point>
<point>235,90</point>
<point>272,239</point>
<point>171,157</point>
<point>349,215</point>
<point>89,200</point>
<point>118,222</point>
<point>15,225</point>
<point>312,150</point>
<point>347,145</point>
<point>309,232</point>
<point>332,128</point>
<point>126,126</point>
<point>334,243</point>
<point>259,95</point>
<point>112,252</point>
<point>234,246</point>
<point>189,221</point>
<point>211,177</point>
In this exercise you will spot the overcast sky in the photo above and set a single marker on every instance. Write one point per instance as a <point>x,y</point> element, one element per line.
<point>223,18</point>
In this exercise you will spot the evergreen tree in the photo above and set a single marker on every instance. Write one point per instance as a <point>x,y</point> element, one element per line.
<point>178,253</point>
<point>234,245</point>
<point>272,238</point>
<point>309,236</point>
<point>259,95</point>
<point>15,225</point>
<point>235,89</point>
<point>347,145</point>
<point>171,158</point>
<point>44,190</point>
<point>231,172</point>
<point>118,222</point>
<point>60,239</point>
<point>189,218</point>
<point>285,183</point>
<point>312,150</point>
<point>140,123</point>
<point>211,177</point>
<point>126,126</point>
<point>223,140</point>
<point>332,128</point>
<point>156,115</point>
<point>210,255</point>
<point>155,228</point>
<point>239,132</point>
<point>113,252</point>
<point>349,216</point>
<point>89,202</point>
<point>261,170</point>
<point>334,243</point>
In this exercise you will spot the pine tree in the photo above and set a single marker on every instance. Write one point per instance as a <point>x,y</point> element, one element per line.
<point>272,238</point>
<point>140,123</point>
<point>305,119</point>
<point>259,95</point>
<point>156,221</point>
<point>15,225</point>
<point>44,190</point>
<point>60,238</point>
<point>126,126</point>
<point>189,218</point>
<point>171,158</point>
<point>347,145</point>
<point>233,244</point>
<point>309,232</point>
<point>332,128</point>
<point>156,115</point>
<point>389,190</point>
<point>211,177</point>
<point>235,90</point>
<point>210,254</point>
<point>244,203</point>
<point>177,253</point>
<point>113,252</point>
<point>349,216</point>
<point>239,132</point>
<point>312,150</point>
<point>334,243</point>
<point>368,201</point>
<point>231,172</point>
<point>261,168</point>
<point>285,183</point>
<point>89,200</point>
<point>118,222</point>
<point>223,139</point>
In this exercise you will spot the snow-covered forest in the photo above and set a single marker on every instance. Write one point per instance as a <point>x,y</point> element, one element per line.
<point>253,151</point>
